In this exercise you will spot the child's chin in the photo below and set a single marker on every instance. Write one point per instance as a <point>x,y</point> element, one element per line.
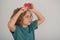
<point>29,23</point>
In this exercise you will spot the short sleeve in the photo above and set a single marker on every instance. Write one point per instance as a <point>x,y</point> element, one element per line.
<point>15,29</point>
<point>33,25</point>
<point>15,32</point>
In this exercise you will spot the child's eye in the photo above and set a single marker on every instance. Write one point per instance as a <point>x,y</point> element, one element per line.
<point>28,16</point>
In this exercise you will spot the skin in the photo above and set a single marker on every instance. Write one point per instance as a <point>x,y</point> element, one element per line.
<point>27,19</point>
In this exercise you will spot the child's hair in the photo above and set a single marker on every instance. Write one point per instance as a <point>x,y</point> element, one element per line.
<point>19,20</point>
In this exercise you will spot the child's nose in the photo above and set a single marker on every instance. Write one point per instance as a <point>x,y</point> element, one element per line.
<point>30,18</point>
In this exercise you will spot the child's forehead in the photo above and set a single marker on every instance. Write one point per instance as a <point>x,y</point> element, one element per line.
<point>28,13</point>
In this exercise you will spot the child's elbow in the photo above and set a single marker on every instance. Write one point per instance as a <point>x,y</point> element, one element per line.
<point>43,19</point>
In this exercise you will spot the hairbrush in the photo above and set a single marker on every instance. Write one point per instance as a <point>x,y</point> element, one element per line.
<point>27,5</point>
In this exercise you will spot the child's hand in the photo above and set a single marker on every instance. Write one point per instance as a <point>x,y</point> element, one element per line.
<point>23,9</point>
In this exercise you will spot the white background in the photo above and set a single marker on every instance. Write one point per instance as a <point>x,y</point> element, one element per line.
<point>50,9</point>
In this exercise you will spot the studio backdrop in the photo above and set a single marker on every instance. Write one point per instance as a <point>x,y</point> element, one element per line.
<point>50,9</point>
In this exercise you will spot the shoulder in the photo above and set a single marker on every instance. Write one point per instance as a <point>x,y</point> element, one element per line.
<point>34,22</point>
<point>34,25</point>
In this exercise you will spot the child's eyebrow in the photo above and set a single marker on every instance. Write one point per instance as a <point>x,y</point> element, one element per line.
<point>31,15</point>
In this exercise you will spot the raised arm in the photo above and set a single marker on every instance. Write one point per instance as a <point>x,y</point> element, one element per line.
<point>12,21</point>
<point>39,16</point>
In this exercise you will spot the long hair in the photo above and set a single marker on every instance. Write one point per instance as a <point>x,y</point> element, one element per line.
<point>20,18</point>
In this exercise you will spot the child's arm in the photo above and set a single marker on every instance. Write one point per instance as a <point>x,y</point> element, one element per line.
<point>39,16</point>
<point>12,21</point>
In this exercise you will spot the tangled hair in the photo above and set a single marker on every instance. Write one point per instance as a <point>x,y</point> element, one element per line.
<point>19,19</point>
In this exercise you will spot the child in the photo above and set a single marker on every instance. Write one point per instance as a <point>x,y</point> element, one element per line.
<point>21,25</point>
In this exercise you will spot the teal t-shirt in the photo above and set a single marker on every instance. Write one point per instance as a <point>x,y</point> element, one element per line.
<point>25,33</point>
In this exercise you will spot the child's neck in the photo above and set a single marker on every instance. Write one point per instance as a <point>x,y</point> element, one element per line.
<point>25,26</point>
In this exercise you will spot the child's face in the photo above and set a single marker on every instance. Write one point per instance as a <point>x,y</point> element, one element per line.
<point>27,19</point>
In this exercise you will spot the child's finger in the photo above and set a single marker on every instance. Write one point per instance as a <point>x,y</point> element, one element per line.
<point>23,9</point>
